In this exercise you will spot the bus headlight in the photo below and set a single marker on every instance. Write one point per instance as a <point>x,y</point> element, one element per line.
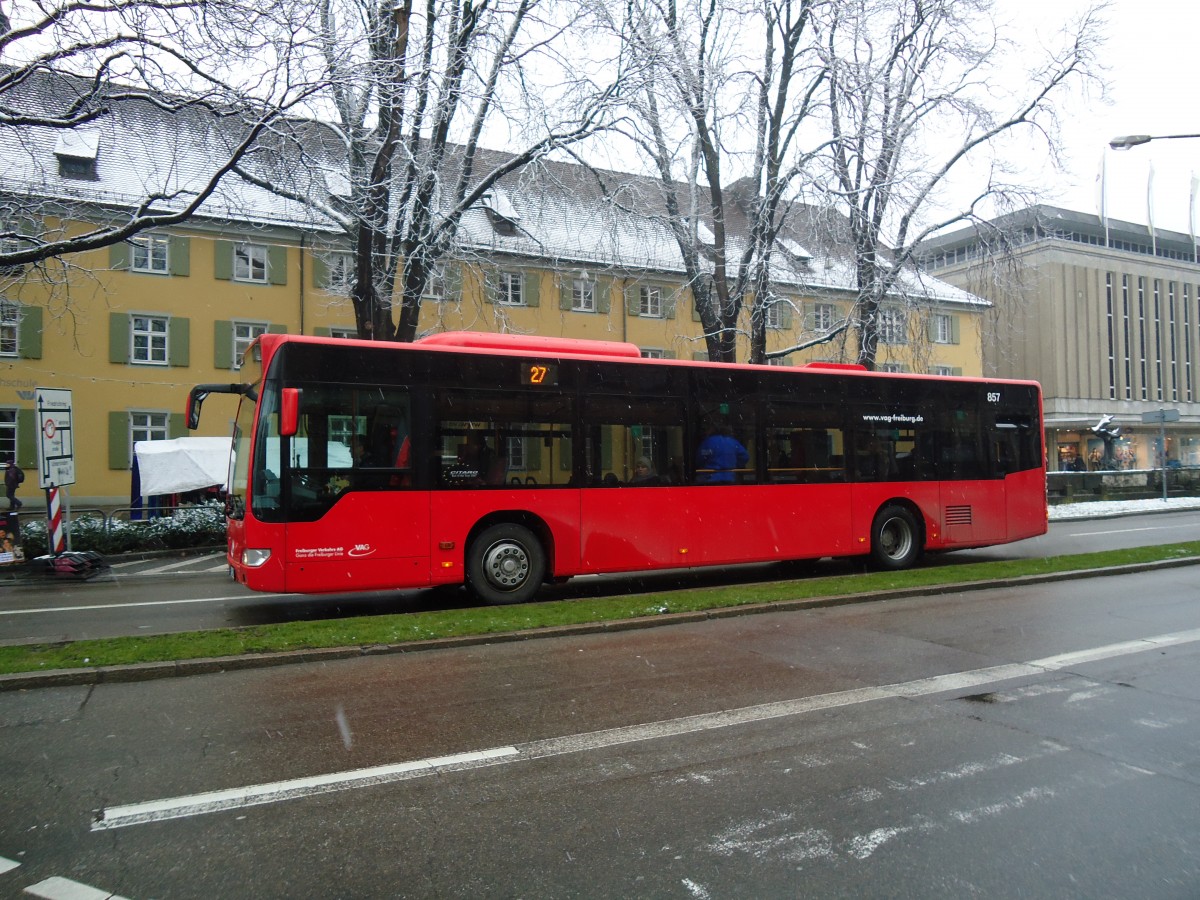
<point>255,558</point>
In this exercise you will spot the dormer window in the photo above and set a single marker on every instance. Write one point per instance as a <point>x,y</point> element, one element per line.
<point>76,152</point>
<point>501,212</point>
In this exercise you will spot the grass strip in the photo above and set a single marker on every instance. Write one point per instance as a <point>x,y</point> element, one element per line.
<point>420,626</point>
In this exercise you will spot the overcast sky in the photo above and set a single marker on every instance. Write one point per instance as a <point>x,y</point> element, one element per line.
<point>1152,61</point>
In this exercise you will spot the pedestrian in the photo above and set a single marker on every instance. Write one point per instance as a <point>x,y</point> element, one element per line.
<point>718,455</point>
<point>13,477</point>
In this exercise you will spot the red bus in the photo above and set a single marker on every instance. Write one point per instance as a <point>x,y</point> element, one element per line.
<point>504,462</point>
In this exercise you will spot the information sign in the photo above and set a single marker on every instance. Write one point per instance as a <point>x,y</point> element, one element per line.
<point>56,439</point>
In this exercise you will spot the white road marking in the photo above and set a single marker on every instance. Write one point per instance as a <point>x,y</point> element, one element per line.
<point>7,865</point>
<point>1132,530</point>
<point>57,888</point>
<point>255,795</point>
<point>177,565</point>
<point>58,609</point>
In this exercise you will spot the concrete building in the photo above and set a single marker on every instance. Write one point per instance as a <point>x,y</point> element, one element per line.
<point>130,328</point>
<point>1105,315</point>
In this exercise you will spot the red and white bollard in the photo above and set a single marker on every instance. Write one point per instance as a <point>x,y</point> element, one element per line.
<point>54,517</point>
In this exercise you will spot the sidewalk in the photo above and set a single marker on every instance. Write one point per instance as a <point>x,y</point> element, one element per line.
<point>1105,509</point>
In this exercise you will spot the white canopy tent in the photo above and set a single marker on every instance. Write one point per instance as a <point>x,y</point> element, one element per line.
<point>182,464</point>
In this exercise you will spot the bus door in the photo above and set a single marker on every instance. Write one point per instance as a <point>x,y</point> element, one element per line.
<point>974,507</point>
<point>632,514</point>
<point>355,520</point>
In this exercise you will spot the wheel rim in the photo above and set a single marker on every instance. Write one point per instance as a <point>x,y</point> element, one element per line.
<point>506,565</point>
<point>895,539</point>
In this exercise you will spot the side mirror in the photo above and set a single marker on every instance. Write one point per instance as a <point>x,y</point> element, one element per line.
<point>289,412</point>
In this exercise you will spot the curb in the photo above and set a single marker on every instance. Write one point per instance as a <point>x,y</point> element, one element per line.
<point>188,667</point>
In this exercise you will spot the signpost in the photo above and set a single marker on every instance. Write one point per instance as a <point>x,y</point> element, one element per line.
<point>1161,417</point>
<point>56,458</point>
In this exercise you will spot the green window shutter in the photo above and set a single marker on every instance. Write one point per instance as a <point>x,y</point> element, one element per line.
<point>223,344</point>
<point>606,450</point>
<point>604,288</point>
<point>179,256</point>
<point>931,331</point>
<point>453,276</point>
<point>532,287</point>
<point>321,331</point>
<point>491,285</point>
<point>29,332</point>
<point>179,341</point>
<point>533,453</point>
<point>669,354</point>
<point>176,425</point>
<point>669,299</point>
<point>565,288</point>
<point>277,329</point>
<point>223,260</point>
<point>956,370</point>
<point>27,441</point>
<point>700,356</point>
<point>118,338</point>
<point>633,305</point>
<point>955,335</point>
<point>118,256</point>
<point>320,272</point>
<point>695,308</point>
<point>277,264</point>
<point>785,315</point>
<point>118,440</point>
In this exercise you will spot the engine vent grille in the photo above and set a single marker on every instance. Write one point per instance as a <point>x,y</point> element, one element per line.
<point>958,515</point>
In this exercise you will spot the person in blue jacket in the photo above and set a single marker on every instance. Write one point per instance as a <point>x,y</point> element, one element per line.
<point>719,453</point>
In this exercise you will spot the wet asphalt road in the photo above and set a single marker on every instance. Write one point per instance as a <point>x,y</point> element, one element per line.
<point>1030,742</point>
<point>163,595</point>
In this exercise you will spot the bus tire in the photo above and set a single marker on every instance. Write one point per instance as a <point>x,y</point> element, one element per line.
<point>506,564</point>
<point>895,538</point>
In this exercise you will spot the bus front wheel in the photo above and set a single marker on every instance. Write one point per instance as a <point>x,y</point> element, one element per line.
<point>895,538</point>
<point>506,564</point>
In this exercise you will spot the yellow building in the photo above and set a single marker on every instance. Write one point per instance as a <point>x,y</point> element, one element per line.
<point>129,329</point>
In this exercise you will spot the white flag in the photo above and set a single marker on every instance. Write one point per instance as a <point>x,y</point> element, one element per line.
<point>1150,205</point>
<point>1192,209</point>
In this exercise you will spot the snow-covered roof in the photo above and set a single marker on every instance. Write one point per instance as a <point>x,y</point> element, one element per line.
<point>549,210</point>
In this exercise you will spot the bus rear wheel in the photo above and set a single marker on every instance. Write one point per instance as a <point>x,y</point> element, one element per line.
<point>506,564</point>
<point>895,538</point>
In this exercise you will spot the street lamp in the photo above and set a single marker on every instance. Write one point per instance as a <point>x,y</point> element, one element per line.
<point>1125,141</point>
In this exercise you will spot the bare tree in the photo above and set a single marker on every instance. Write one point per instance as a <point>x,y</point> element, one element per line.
<point>76,76</point>
<point>724,90</point>
<point>415,92</point>
<point>913,88</point>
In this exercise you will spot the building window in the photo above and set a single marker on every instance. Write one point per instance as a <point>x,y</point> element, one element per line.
<point>250,263</point>
<point>653,353</point>
<point>10,328</point>
<point>147,426</point>
<point>244,334</point>
<point>510,291</point>
<point>824,315</point>
<point>891,367</point>
<point>339,273</point>
<point>650,302</point>
<point>148,253</point>
<point>583,295</point>
<point>1141,300</point>
<point>1187,342</point>
<point>943,329</point>
<point>343,333</point>
<point>8,434</point>
<point>893,326</point>
<point>943,370</point>
<point>1112,334</point>
<point>777,317</point>
<point>1127,344</point>
<point>148,340</point>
